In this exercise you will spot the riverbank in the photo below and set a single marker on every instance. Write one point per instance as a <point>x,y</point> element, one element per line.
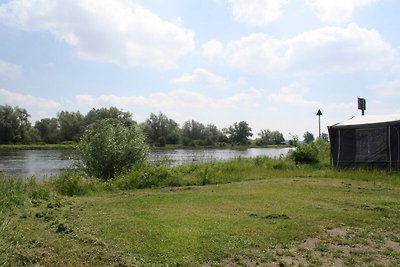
<point>72,146</point>
<point>250,211</point>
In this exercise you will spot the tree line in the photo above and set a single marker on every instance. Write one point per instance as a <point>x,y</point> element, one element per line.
<point>159,130</point>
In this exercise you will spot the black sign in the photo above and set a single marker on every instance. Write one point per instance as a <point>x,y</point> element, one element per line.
<point>362,104</point>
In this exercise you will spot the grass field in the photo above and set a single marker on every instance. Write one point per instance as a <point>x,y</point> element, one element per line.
<point>263,213</point>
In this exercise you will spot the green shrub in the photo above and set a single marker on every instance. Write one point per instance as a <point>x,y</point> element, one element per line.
<point>147,176</point>
<point>324,150</point>
<point>107,148</point>
<point>70,183</point>
<point>304,154</point>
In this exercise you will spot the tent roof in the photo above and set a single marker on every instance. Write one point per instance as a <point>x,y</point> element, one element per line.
<point>369,120</point>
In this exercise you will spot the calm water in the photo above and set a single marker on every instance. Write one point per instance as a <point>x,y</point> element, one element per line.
<point>46,163</point>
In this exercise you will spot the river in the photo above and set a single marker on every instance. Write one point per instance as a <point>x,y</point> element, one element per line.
<point>47,163</point>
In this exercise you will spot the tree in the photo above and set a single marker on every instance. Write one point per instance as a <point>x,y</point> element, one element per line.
<point>324,137</point>
<point>158,129</point>
<point>212,134</point>
<point>71,125</point>
<point>108,147</point>
<point>95,115</point>
<point>308,137</point>
<point>23,124</point>
<point>49,130</point>
<point>268,137</point>
<point>32,136</point>
<point>239,133</point>
<point>14,124</point>
<point>192,131</point>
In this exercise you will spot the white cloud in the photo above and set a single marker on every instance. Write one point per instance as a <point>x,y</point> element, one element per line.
<point>27,101</point>
<point>388,88</point>
<point>256,12</point>
<point>212,48</point>
<point>336,11</point>
<point>396,68</point>
<point>173,100</point>
<point>37,107</point>
<point>202,79</point>
<point>9,70</point>
<point>250,98</point>
<point>323,51</point>
<point>295,95</point>
<point>115,31</point>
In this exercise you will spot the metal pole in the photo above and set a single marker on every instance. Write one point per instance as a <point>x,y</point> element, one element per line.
<point>319,114</point>
<point>319,123</point>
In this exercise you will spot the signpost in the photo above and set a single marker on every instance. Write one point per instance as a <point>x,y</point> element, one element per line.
<point>362,104</point>
<point>319,114</point>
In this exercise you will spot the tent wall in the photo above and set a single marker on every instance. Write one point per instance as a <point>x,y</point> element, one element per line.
<point>395,146</point>
<point>365,145</point>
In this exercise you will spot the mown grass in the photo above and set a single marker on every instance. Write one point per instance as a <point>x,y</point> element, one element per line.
<point>250,211</point>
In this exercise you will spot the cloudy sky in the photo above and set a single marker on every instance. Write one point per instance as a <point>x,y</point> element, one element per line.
<point>271,63</point>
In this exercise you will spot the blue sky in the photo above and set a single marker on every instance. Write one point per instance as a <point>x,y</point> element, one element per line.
<point>271,63</point>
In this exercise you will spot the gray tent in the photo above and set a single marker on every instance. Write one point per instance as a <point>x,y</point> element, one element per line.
<point>366,141</point>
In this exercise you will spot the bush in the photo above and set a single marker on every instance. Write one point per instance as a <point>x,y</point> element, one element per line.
<point>148,176</point>
<point>73,183</point>
<point>108,147</point>
<point>305,154</point>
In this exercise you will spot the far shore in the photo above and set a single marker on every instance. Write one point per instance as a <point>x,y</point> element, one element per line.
<point>74,146</point>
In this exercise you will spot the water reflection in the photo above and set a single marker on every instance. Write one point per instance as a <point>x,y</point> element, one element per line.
<point>39,163</point>
<point>46,163</point>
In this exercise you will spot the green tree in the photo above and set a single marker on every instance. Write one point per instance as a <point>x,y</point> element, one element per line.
<point>95,115</point>
<point>32,136</point>
<point>71,125</point>
<point>192,131</point>
<point>108,147</point>
<point>49,130</point>
<point>160,128</point>
<point>14,124</point>
<point>212,134</point>
<point>239,133</point>
<point>268,137</point>
<point>324,137</point>
<point>308,137</point>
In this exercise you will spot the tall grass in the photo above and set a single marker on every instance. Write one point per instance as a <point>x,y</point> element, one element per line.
<point>15,191</point>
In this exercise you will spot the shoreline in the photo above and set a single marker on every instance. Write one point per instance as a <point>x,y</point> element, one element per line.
<point>168,147</point>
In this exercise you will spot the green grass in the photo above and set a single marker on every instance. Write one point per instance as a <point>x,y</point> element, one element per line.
<point>250,211</point>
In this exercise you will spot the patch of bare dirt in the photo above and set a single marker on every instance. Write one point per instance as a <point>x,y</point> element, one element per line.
<point>342,246</point>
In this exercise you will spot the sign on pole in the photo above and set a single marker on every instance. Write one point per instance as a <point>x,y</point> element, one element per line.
<point>362,105</point>
<point>319,114</point>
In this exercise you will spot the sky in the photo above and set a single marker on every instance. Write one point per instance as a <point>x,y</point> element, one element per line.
<point>270,63</point>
